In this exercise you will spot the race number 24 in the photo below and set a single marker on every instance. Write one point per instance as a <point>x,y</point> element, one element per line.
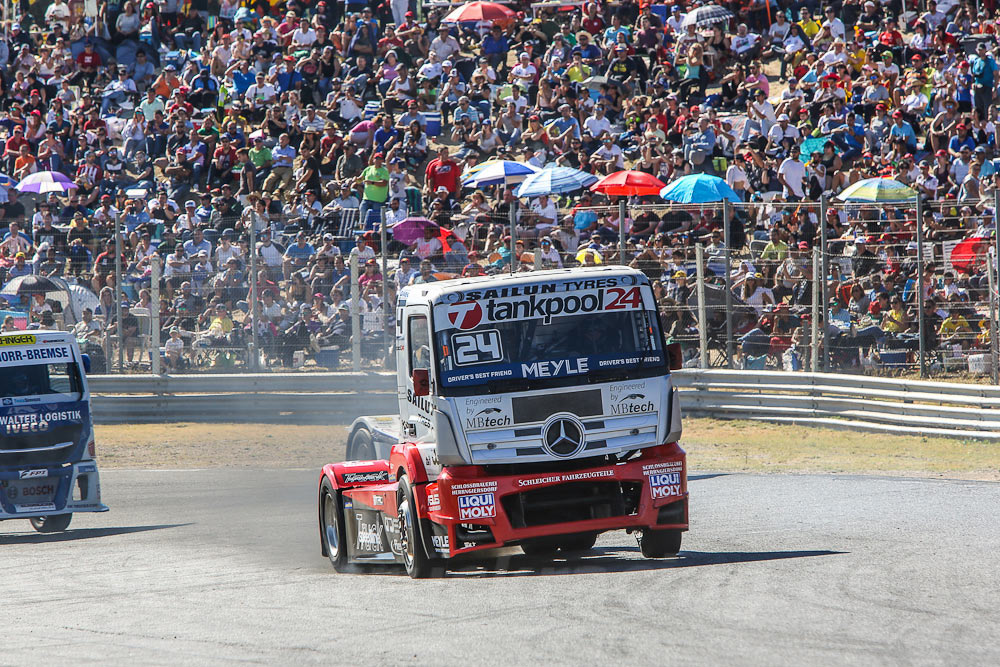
<point>622,298</point>
<point>480,347</point>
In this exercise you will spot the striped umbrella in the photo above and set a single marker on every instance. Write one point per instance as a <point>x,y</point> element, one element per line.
<point>885,190</point>
<point>42,182</point>
<point>497,172</point>
<point>702,17</point>
<point>553,180</point>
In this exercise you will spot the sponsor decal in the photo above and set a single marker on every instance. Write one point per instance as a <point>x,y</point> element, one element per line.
<point>377,500</point>
<point>90,467</point>
<point>359,477</point>
<point>440,543</point>
<point>20,339</point>
<point>665,485</point>
<point>476,506</point>
<point>478,347</point>
<point>36,422</point>
<point>369,535</point>
<point>547,369</point>
<point>421,402</point>
<point>8,401</point>
<point>465,314</point>
<point>36,507</point>
<point>568,477</point>
<point>348,504</point>
<point>665,466</point>
<point>473,487</point>
<point>29,474</point>
<point>34,355</point>
<point>434,501</point>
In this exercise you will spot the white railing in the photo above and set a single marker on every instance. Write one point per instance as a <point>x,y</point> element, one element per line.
<point>815,399</point>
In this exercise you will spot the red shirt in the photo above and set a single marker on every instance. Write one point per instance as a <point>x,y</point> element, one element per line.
<point>594,25</point>
<point>14,145</point>
<point>88,60</point>
<point>444,173</point>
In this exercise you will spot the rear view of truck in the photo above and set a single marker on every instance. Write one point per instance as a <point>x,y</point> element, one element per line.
<point>47,467</point>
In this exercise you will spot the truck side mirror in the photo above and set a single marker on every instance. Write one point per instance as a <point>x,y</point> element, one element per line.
<point>675,357</point>
<point>421,382</point>
<point>86,363</point>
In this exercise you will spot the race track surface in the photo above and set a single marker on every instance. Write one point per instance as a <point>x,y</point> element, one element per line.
<point>223,566</point>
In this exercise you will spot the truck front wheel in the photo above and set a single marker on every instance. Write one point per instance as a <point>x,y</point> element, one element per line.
<point>659,543</point>
<point>415,559</point>
<point>51,524</point>
<point>332,522</point>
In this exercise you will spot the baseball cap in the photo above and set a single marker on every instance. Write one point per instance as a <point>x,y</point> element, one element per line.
<point>897,114</point>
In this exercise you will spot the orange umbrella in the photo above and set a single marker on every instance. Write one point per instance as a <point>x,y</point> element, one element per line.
<point>628,183</point>
<point>478,11</point>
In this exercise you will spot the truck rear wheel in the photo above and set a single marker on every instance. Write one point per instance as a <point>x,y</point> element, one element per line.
<point>51,524</point>
<point>332,526</point>
<point>415,558</point>
<point>361,446</point>
<point>659,543</point>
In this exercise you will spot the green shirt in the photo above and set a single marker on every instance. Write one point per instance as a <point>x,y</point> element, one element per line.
<point>373,192</point>
<point>259,157</point>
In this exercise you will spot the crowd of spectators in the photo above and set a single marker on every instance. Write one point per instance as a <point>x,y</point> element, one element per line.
<point>292,130</point>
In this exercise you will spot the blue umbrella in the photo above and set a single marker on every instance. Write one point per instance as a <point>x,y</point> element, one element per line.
<point>497,172</point>
<point>699,189</point>
<point>553,180</point>
<point>6,181</point>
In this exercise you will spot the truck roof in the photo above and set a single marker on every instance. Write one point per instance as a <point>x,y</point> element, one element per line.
<point>433,292</point>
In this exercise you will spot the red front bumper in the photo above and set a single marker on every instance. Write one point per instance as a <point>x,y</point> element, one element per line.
<point>470,510</point>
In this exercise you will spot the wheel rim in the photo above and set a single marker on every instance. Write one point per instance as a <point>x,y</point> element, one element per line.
<point>330,526</point>
<point>405,529</point>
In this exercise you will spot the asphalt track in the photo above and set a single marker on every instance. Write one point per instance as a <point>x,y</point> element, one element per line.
<point>223,566</point>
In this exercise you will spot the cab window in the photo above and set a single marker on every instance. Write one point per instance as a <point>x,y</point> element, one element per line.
<point>420,342</point>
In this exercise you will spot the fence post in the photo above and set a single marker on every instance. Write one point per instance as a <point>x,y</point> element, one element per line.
<point>118,293</point>
<point>920,287</point>
<point>814,325</point>
<point>992,281</point>
<point>355,315</point>
<point>702,319</point>
<point>154,314</point>
<point>824,271</point>
<point>730,351</point>
<point>622,211</point>
<point>537,255</point>
<point>254,297</point>
<point>513,238</point>
<point>386,306</point>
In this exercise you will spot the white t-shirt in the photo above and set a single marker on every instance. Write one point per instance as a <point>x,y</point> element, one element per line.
<point>735,174</point>
<point>597,126</point>
<point>794,173</point>
<point>836,27</point>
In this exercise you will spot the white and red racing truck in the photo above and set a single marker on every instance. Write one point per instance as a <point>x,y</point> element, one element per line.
<point>534,410</point>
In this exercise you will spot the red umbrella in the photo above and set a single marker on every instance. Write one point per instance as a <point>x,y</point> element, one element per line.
<point>965,255</point>
<point>627,183</point>
<point>478,11</point>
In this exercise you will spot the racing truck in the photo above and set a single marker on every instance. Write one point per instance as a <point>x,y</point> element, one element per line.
<point>535,410</point>
<point>48,470</point>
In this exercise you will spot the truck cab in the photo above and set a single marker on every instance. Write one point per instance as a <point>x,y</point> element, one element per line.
<point>539,405</point>
<point>47,452</point>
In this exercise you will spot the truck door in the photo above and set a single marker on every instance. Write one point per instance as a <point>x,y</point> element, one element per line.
<point>417,411</point>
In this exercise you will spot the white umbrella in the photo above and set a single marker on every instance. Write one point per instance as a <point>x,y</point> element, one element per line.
<point>702,17</point>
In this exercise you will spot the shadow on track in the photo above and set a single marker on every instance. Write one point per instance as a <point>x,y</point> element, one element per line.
<point>707,475</point>
<point>609,559</point>
<point>82,534</point>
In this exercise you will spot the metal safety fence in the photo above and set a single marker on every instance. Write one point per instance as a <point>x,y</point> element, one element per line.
<point>822,286</point>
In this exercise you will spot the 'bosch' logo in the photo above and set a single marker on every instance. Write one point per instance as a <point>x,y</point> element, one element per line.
<point>465,314</point>
<point>563,436</point>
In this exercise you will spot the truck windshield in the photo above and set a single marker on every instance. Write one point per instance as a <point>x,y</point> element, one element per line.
<point>530,353</point>
<point>41,380</point>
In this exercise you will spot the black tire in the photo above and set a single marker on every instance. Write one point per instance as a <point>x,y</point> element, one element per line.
<point>362,446</point>
<point>659,543</point>
<point>331,520</point>
<point>415,558</point>
<point>548,546</point>
<point>51,524</point>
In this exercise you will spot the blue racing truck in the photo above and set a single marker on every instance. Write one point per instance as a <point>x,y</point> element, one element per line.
<point>47,466</point>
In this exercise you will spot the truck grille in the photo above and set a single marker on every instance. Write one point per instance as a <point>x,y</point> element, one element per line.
<point>575,501</point>
<point>58,444</point>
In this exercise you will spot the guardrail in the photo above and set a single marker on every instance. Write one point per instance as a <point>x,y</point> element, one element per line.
<point>814,399</point>
<point>844,401</point>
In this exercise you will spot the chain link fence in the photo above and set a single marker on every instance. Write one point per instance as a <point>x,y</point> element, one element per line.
<point>823,286</point>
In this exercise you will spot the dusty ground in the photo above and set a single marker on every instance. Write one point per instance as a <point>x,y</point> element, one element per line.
<point>723,446</point>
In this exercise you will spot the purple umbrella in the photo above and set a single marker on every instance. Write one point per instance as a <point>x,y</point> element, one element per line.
<point>46,181</point>
<point>411,229</point>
